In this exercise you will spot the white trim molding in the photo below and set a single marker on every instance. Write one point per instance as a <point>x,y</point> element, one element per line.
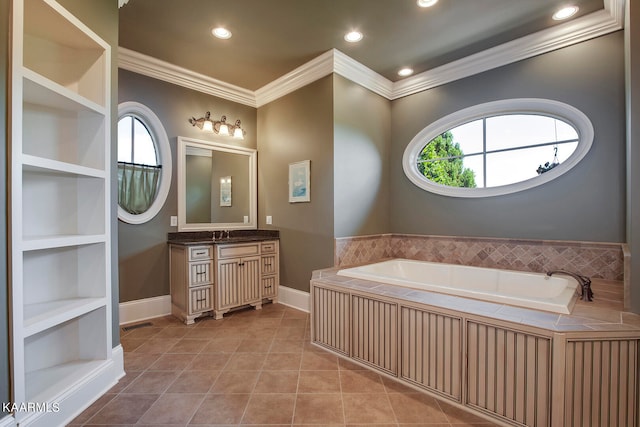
<point>534,106</point>
<point>8,421</point>
<point>294,298</point>
<point>149,66</point>
<point>81,395</point>
<point>143,309</point>
<point>593,25</point>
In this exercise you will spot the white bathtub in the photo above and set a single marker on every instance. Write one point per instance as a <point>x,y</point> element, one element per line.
<point>529,290</point>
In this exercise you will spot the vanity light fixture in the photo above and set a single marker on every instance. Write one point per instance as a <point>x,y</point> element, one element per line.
<point>220,127</point>
<point>565,13</point>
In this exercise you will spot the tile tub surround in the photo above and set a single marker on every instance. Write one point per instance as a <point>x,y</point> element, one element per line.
<point>596,260</point>
<point>254,368</point>
<point>604,314</point>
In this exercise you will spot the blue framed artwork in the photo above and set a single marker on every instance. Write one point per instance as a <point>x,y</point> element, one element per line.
<point>300,181</point>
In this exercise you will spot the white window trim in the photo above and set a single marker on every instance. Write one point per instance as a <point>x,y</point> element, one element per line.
<point>545,107</point>
<point>163,149</point>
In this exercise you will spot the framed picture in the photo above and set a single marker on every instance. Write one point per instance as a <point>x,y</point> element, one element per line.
<point>225,191</point>
<point>300,181</point>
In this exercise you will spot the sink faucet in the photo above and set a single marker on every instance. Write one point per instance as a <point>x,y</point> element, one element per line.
<point>584,281</point>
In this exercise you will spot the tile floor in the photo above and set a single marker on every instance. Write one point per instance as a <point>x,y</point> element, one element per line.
<point>254,367</point>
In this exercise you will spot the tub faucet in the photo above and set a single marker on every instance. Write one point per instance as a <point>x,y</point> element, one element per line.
<point>584,281</point>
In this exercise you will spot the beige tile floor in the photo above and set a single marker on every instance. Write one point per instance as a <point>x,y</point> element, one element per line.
<point>254,367</point>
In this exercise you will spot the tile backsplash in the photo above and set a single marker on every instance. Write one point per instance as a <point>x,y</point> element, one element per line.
<point>593,259</point>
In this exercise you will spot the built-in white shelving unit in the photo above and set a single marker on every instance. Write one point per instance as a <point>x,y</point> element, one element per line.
<point>60,213</point>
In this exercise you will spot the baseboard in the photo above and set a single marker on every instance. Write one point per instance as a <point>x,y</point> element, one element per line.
<point>294,298</point>
<point>8,421</point>
<point>143,309</point>
<point>81,395</point>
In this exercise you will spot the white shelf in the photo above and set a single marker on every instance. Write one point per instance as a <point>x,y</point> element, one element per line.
<point>55,204</point>
<point>52,242</point>
<point>46,384</point>
<point>41,316</point>
<point>42,165</point>
<point>41,91</point>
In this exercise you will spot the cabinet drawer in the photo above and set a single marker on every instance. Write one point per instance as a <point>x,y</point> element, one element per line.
<point>269,287</point>
<point>200,273</point>
<point>269,264</point>
<point>268,247</point>
<point>234,251</point>
<point>200,252</point>
<point>200,299</point>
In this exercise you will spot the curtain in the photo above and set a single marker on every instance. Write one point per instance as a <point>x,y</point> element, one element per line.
<point>137,186</point>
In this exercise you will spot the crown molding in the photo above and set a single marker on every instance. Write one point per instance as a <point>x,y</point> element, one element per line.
<point>152,67</point>
<point>333,61</point>
<point>352,70</point>
<point>587,27</point>
<point>313,70</point>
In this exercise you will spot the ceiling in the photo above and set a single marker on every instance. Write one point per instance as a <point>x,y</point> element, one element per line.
<point>273,37</point>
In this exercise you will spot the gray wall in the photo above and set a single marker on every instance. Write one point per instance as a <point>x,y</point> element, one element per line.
<point>362,138</point>
<point>143,252</point>
<point>4,302</point>
<point>297,127</point>
<point>587,203</point>
<point>632,50</point>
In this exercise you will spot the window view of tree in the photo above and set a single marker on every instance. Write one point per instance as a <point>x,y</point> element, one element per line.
<point>497,150</point>
<point>441,161</point>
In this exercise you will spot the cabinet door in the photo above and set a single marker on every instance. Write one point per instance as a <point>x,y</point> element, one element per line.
<point>509,374</point>
<point>228,288</point>
<point>250,280</point>
<point>431,349</point>
<point>330,325</point>
<point>373,333</point>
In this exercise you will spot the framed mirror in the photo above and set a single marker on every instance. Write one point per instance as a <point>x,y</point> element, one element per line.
<point>206,198</point>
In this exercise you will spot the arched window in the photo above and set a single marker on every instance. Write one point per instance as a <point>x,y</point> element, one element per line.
<point>144,163</point>
<point>498,148</point>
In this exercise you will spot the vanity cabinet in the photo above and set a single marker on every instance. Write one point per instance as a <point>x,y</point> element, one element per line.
<point>191,275</point>
<point>214,278</point>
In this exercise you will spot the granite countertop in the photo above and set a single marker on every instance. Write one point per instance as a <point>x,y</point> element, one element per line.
<point>192,238</point>
<point>604,314</point>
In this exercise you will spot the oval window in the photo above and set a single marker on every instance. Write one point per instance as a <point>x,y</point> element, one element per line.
<point>144,163</point>
<point>498,148</point>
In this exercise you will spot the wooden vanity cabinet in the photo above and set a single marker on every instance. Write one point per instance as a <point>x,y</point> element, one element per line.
<point>214,278</point>
<point>191,275</point>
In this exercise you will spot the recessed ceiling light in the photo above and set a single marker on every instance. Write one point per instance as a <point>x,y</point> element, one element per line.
<point>221,33</point>
<point>404,72</point>
<point>427,3</point>
<point>565,12</point>
<point>353,36</point>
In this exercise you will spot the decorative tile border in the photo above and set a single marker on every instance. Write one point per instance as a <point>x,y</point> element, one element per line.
<point>593,259</point>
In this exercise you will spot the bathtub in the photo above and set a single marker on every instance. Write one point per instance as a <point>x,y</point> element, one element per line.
<point>529,290</point>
